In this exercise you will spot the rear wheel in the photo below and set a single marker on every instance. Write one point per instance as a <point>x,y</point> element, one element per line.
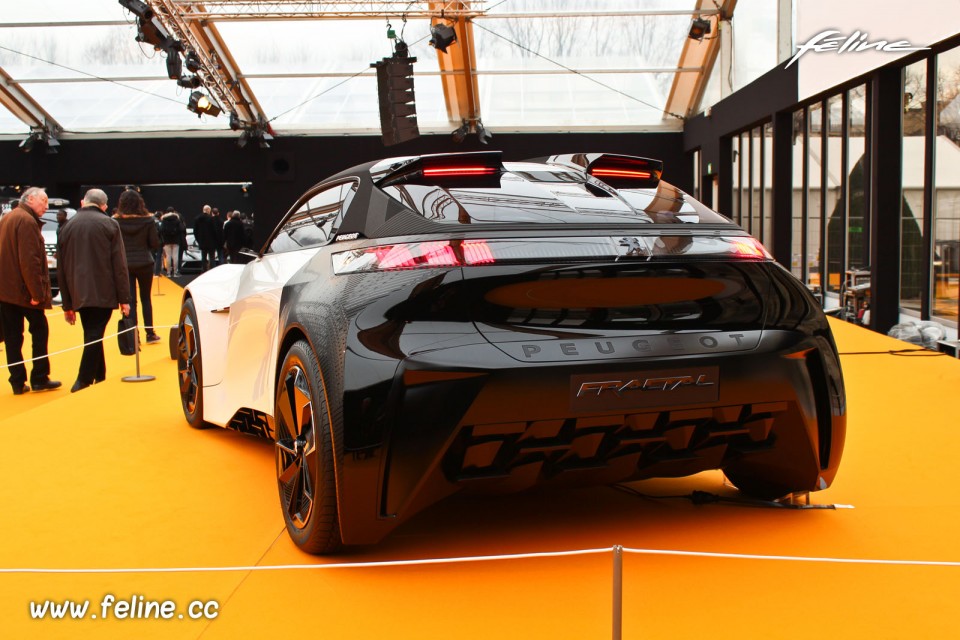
<point>189,366</point>
<point>304,454</point>
<point>756,486</point>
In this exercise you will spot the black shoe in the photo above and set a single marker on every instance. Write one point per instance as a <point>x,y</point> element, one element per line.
<point>22,389</point>
<point>77,386</point>
<point>46,385</point>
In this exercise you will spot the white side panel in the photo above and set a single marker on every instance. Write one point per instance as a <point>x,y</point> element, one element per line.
<point>251,336</point>
<point>215,289</point>
<point>919,22</point>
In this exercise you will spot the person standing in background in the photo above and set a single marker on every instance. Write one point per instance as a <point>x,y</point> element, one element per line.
<point>140,240</point>
<point>218,234</point>
<point>206,238</point>
<point>93,281</point>
<point>170,224</point>
<point>25,291</point>
<point>233,237</point>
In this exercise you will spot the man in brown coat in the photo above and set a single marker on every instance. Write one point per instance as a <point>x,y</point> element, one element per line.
<point>93,280</point>
<point>25,291</point>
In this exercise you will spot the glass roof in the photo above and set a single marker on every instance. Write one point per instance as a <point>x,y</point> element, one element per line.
<point>540,65</point>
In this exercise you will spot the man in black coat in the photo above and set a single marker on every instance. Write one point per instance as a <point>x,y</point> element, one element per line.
<point>93,280</point>
<point>218,233</point>
<point>233,237</point>
<point>206,238</point>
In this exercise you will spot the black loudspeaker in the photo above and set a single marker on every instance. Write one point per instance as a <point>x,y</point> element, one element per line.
<point>398,111</point>
<point>280,167</point>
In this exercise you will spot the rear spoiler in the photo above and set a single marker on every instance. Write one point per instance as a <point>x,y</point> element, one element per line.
<point>617,170</point>
<point>465,169</point>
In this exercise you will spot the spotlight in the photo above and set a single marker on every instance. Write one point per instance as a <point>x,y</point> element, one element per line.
<point>460,133</point>
<point>30,141</point>
<point>53,145</point>
<point>192,61</point>
<point>201,104</point>
<point>235,123</point>
<point>189,82</point>
<point>483,134</point>
<point>699,28</point>
<point>442,36</point>
<point>174,65</point>
<point>138,8</point>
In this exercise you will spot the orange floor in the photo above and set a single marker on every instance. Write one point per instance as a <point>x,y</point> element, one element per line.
<point>112,479</point>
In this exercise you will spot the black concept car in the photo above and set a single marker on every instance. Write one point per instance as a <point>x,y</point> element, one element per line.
<point>421,326</point>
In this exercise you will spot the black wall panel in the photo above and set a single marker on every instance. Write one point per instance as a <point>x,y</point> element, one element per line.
<point>291,165</point>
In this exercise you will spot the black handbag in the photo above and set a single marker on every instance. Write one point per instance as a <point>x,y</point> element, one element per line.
<point>127,339</point>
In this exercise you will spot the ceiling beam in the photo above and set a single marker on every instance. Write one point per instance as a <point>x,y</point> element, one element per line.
<point>458,66</point>
<point>329,9</point>
<point>23,106</point>
<point>218,69</point>
<point>687,89</point>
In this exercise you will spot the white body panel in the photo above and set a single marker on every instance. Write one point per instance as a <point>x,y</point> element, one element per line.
<point>239,358</point>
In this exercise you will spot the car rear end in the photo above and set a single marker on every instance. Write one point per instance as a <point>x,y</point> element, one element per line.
<point>578,322</point>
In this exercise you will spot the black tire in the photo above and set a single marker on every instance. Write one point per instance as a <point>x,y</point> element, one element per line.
<point>190,366</point>
<point>304,453</point>
<point>758,487</point>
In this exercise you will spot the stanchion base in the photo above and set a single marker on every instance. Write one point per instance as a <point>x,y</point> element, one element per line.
<point>138,378</point>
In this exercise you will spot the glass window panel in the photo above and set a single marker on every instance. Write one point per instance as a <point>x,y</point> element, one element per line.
<point>796,236</point>
<point>814,219</point>
<point>756,170</point>
<point>735,177</point>
<point>911,207</point>
<point>754,42</point>
<point>858,220</point>
<point>569,100</point>
<point>106,106</point>
<point>9,123</point>
<point>834,203</point>
<point>767,190</point>
<point>697,176</point>
<point>323,46</point>
<point>342,103</point>
<point>946,199</point>
<point>48,53</point>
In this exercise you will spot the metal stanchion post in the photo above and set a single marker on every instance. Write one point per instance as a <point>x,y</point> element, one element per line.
<point>159,278</point>
<point>617,591</point>
<point>138,377</point>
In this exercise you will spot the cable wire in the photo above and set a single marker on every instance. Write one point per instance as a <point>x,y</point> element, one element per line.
<point>89,75</point>
<point>575,72</point>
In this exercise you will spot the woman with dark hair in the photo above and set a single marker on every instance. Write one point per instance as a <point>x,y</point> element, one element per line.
<point>140,240</point>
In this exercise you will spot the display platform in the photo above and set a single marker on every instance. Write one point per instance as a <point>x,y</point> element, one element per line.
<point>108,493</point>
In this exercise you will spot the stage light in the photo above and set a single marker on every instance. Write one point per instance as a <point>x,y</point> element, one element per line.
<point>174,64</point>
<point>192,61</point>
<point>202,105</point>
<point>483,134</point>
<point>189,82</point>
<point>442,36</point>
<point>699,28</point>
<point>460,133</point>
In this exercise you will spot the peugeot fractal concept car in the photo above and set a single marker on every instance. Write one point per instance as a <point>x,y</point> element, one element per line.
<point>421,326</point>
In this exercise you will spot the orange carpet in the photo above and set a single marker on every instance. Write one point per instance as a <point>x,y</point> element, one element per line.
<point>112,479</point>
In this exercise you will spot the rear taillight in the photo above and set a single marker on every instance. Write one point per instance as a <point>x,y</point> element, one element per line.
<point>473,253</point>
<point>449,172</point>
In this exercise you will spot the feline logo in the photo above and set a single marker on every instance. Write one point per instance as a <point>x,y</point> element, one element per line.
<point>620,387</point>
<point>831,40</point>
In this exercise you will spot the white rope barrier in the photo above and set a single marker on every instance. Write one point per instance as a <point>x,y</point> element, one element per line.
<point>465,559</point>
<point>303,567</point>
<point>85,344</point>
<point>753,556</point>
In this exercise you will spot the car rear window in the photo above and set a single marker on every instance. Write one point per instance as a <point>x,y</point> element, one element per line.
<point>538,194</point>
